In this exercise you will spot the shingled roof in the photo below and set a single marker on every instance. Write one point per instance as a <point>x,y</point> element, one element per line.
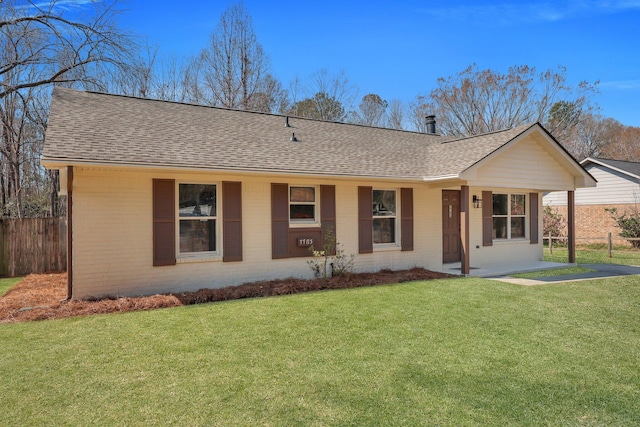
<point>97,128</point>
<point>628,168</point>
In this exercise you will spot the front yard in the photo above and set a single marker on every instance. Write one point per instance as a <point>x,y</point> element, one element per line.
<point>444,352</point>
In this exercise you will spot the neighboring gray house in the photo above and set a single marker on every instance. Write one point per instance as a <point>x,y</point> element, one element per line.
<point>618,187</point>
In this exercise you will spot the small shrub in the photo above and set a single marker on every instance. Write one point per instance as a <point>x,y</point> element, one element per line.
<point>331,260</point>
<point>629,223</point>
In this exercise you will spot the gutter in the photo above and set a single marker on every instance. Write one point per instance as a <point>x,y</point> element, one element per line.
<point>59,163</point>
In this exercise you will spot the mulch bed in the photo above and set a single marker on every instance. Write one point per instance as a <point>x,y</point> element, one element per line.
<point>41,296</point>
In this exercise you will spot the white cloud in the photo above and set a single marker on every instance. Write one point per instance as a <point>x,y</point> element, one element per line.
<point>542,11</point>
<point>56,4</point>
<point>622,84</point>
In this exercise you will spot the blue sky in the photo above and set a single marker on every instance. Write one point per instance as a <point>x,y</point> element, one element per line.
<point>399,48</point>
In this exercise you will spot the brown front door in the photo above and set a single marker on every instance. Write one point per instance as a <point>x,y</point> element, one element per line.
<point>450,226</point>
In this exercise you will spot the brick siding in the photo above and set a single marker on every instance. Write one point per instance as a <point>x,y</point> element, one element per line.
<point>593,223</point>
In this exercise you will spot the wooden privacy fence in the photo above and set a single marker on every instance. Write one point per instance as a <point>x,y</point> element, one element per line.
<point>32,245</point>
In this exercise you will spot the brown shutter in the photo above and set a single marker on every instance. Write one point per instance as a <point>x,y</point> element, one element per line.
<point>406,213</point>
<point>487,218</point>
<point>533,218</point>
<point>328,208</point>
<point>365,220</point>
<point>164,222</point>
<point>232,221</point>
<point>279,221</point>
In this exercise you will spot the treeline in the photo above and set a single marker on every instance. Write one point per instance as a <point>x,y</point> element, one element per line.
<point>44,44</point>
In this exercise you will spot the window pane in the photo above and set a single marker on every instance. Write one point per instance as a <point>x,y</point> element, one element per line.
<point>384,202</point>
<point>517,204</point>
<point>500,204</point>
<point>517,228</point>
<point>302,212</point>
<point>197,235</point>
<point>197,200</point>
<point>384,230</point>
<point>302,194</point>
<point>499,228</point>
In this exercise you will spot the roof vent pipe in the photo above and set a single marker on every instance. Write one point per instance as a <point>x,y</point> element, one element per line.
<point>286,122</point>
<point>431,124</point>
<point>293,137</point>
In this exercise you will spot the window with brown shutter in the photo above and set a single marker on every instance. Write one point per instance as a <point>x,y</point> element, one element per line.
<point>365,220</point>
<point>232,221</point>
<point>328,208</point>
<point>164,228</point>
<point>279,221</point>
<point>406,214</point>
<point>533,220</point>
<point>487,218</point>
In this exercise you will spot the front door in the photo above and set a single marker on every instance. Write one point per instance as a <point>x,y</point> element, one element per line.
<point>450,226</point>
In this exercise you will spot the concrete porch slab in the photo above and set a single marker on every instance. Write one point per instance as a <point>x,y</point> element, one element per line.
<point>498,270</point>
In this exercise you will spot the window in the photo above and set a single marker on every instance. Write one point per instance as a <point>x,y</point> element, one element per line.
<point>198,217</point>
<point>384,216</point>
<point>509,216</point>
<point>302,205</point>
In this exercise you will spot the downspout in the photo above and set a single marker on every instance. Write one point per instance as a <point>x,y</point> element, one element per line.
<point>69,232</point>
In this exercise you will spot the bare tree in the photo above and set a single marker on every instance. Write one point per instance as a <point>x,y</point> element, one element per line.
<point>420,108</point>
<point>623,142</point>
<point>232,71</point>
<point>41,46</point>
<point>478,101</point>
<point>395,118</point>
<point>372,111</point>
<point>269,97</point>
<point>38,35</point>
<point>326,96</point>
<point>337,89</point>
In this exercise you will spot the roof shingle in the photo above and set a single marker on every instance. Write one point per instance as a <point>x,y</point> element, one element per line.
<point>89,127</point>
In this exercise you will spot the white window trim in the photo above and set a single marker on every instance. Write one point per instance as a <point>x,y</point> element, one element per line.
<point>188,257</point>
<point>379,247</point>
<point>316,211</point>
<point>508,216</point>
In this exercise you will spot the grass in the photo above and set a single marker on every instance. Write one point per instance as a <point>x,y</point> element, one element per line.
<point>588,256</point>
<point>8,283</point>
<point>453,352</point>
<point>552,273</point>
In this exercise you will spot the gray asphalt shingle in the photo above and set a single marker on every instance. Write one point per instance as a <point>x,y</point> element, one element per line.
<point>113,129</point>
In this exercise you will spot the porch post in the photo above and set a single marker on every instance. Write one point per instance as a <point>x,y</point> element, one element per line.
<point>69,232</point>
<point>464,229</point>
<point>571,226</point>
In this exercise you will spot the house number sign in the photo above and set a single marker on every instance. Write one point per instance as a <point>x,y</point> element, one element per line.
<point>305,242</point>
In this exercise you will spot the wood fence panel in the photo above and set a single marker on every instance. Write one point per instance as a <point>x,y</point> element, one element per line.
<point>32,245</point>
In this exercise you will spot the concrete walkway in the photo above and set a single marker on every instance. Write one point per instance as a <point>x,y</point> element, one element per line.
<point>601,271</point>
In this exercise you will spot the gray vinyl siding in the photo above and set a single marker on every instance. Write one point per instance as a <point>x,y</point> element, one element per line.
<point>613,188</point>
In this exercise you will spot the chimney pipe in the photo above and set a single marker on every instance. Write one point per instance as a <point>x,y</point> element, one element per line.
<point>431,124</point>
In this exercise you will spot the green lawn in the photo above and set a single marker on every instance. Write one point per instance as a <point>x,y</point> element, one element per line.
<point>455,352</point>
<point>7,283</point>
<point>595,256</point>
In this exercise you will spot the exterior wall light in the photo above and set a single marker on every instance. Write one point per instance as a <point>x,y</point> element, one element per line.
<point>477,202</point>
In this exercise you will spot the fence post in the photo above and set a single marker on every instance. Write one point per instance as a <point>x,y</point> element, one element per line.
<point>609,243</point>
<point>550,244</point>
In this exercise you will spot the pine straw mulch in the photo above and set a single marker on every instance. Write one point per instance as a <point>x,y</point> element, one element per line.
<point>40,296</point>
